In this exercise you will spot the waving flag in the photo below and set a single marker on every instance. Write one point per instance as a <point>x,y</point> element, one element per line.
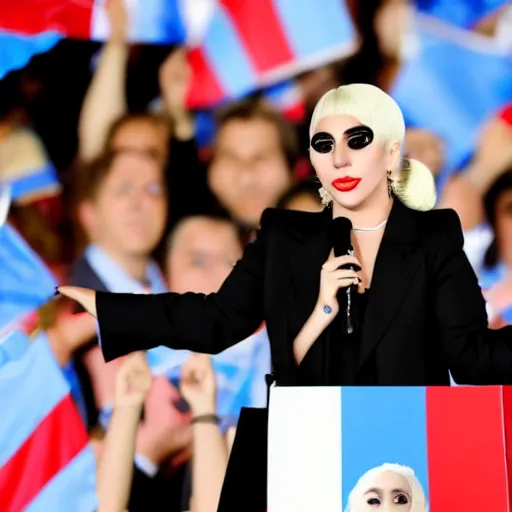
<point>252,44</point>
<point>46,462</point>
<point>237,47</point>
<point>28,27</point>
<point>462,13</point>
<point>5,202</point>
<point>26,283</point>
<point>287,98</point>
<point>455,439</point>
<point>454,82</point>
<point>16,50</point>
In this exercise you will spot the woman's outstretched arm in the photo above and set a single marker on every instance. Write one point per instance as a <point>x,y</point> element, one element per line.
<point>202,323</point>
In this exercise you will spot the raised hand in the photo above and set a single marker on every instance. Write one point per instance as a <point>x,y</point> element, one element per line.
<point>198,384</point>
<point>174,78</point>
<point>332,278</point>
<point>118,20</point>
<point>165,431</point>
<point>133,381</point>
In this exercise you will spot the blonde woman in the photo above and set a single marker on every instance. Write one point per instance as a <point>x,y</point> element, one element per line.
<point>417,304</point>
<point>387,488</point>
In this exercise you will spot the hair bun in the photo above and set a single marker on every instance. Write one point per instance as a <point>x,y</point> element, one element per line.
<point>415,186</point>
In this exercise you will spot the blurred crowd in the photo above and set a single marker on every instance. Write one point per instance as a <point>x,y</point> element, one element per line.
<point>143,208</point>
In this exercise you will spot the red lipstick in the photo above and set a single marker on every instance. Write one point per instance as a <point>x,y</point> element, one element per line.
<point>346,184</point>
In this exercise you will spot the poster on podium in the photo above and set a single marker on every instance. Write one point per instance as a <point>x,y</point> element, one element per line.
<point>409,449</point>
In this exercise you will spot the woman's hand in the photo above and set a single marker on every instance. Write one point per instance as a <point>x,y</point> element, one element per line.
<point>332,278</point>
<point>198,384</point>
<point>84,296</point>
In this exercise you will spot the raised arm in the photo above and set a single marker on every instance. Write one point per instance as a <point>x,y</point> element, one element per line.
<point>105,100</point>
<point>476,354</point>
<point>202,323</point>
<point>133,381</point>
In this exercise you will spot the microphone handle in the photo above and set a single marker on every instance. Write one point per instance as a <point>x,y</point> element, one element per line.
<point>349,320</point>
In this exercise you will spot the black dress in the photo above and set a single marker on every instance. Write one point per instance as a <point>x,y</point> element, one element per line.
<point>333,360</point>
<point>330,361</point>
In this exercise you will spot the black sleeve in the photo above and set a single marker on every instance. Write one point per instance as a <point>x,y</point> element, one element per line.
<point>476,354</point>
<point>201,323</point>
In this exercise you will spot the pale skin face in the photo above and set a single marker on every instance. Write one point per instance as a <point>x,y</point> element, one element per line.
<point>249,171</point>
<point>343,148</point>
<point>202,255</point>
<point>385,492</point>
<point>127,217</point>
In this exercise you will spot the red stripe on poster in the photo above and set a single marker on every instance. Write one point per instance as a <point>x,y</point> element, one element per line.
<point>54,443</point>
<point>507,420</point>
<point>466,450</point>
<point>262,33</point>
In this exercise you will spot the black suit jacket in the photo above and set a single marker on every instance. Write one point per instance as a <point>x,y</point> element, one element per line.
<point>425,315</point>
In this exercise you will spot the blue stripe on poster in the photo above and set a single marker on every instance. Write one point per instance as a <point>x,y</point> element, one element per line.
<point>383,425</point>
<point>298,16</point>
<point>227,57</point>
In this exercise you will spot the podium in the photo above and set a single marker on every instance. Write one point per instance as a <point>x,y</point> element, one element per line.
<point>442,449</point>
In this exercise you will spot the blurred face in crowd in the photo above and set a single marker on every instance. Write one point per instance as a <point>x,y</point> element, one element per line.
<point>504,225</point>
<point>425,146</point>
<point>249,171</point>
<point>386,491</point>
<point>142,135</point>
<point>350,164</point>
<point>202,254</point>
<point>128,214</point>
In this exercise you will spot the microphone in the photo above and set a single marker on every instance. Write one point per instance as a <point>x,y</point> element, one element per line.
<point>342,245</point>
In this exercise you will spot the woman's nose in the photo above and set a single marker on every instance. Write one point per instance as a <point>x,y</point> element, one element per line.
<point>340,156</point>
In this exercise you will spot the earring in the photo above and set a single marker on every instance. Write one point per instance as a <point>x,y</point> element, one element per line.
<point>390,182</point>
<point>325,196</point>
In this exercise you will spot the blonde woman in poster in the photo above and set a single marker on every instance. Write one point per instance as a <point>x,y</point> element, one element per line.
<point>388,488</point>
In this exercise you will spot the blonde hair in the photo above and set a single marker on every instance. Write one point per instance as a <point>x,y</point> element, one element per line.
<point>412,182</point>
<point>418,501</point>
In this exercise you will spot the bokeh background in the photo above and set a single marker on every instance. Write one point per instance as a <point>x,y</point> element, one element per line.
<point>140,141</point>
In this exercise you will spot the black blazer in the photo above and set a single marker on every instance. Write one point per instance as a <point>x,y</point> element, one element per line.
<point>425,316</point>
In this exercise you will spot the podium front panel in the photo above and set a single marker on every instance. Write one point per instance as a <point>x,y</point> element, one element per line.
<point>348,449</point>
